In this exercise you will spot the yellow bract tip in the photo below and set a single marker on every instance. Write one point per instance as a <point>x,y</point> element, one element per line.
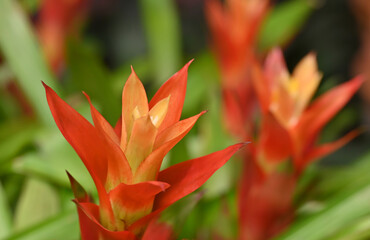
<point>159,111</point>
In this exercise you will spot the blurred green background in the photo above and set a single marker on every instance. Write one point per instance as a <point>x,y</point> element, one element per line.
<point>158,38</point>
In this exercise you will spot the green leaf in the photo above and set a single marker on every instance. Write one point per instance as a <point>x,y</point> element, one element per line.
<point>88,73</point>
<point>178,213</point>
<point>38,201</point>
<point>341,211</point>
<point>360,230</point>
<point>162,27</point>
<point>61,227</point>
<point>54,158</point>
<point>14,136</point>
<point>283,23</point>
<point>5,219</point>
<point>215,138</point>
<point>21,51</point>
<point>343,178</point>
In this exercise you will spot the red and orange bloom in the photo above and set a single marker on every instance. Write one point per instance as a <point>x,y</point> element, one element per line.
<point>125,161</point>
<point>289,129</point>
<point>234,28</point>
<point>291,125</point>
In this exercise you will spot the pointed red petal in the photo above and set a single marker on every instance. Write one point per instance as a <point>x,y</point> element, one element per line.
<point>165,141</point>
<point>158,231</point>
<point>82,136</point>
<point>188,176</point>
<point>176,87</point>
<point>322,111</point>
<point>325,149</point>
<point>92,148</point>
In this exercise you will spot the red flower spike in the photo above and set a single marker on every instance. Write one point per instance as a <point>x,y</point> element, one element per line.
<point>289,129</point>
<point>124,162</point>
<point>286,100</point>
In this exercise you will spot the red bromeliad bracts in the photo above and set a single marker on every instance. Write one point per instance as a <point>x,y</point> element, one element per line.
<point>290,126</point>
<point>289,129</point>
<point>234,29</point>
<point>125,161</point>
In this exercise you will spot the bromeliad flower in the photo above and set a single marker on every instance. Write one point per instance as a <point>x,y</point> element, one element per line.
<point>289,122</point>
<point>125,161</point>
<point>289,129</point>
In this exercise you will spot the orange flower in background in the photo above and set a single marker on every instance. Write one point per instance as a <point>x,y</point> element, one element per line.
<point>57,18</point>
<point>234,28</point>
<point>290,126</point>
<point>290,122</point>
<point>125,161</point>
